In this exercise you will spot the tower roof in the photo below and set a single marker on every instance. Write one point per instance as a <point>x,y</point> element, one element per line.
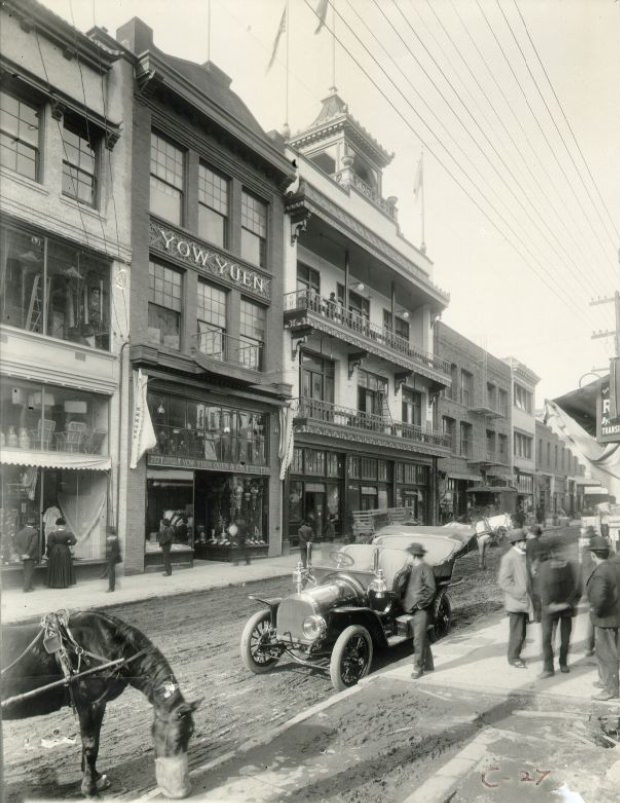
<point>333,118</point>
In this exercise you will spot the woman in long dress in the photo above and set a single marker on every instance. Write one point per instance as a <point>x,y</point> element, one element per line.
<point>60,571</point>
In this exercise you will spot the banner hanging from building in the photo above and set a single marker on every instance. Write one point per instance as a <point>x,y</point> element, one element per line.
<point>287,439</point>
<point>143,434</point>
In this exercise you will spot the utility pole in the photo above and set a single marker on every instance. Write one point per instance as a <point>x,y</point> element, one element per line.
<point>615,299</point>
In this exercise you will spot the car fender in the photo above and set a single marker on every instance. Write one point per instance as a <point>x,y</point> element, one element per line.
<point>354,615</point>
<point>269,602</point>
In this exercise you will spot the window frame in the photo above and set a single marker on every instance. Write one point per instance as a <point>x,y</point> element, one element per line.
<point>261,203</point>
<point>154,304</point>
<point>225,217</point>
<point>72,123</point>
<point>35,105</point>
<point>158,179</point>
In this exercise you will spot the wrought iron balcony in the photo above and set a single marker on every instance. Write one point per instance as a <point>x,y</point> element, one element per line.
<point>215,344</point>
<point>332,420</point>
<point>306,310</point>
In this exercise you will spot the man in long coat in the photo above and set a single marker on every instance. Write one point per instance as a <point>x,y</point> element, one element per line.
<point>27,544</point>
<point>603,590</point>
<point>515,581</point>
<point>418,600</point>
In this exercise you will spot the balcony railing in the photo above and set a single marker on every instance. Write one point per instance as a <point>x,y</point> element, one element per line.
<point>338,416</point>
<point>309,300</point>
<point>218,345</point>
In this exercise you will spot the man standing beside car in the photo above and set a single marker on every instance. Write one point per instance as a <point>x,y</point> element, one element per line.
<point>515,581</point>
<point>418,600</point>
<point>306,537</point>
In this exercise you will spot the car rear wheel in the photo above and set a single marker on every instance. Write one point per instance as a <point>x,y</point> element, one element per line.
<point>351,657</point>
<point>443,616</point>
<point>256,636</point>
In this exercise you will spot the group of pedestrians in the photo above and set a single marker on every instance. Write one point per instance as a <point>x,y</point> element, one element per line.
<point>541,585</point>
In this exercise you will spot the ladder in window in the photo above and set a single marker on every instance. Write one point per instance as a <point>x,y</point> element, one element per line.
<point>34,321</point>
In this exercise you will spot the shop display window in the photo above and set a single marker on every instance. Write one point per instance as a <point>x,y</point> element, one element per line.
<point>53,288</point>
<point>190,429</point>
<point>39,417</point>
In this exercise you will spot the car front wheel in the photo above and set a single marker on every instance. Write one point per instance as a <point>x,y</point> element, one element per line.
<point>255,640</point>
<point>351,657</point>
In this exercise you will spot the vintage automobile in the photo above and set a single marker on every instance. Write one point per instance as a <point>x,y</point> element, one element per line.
<point>350,605</point>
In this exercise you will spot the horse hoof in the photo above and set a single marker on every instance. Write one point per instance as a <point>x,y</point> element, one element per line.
<point>102,783</point>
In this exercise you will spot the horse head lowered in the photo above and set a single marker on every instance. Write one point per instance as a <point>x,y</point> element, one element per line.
<point>86,660</point>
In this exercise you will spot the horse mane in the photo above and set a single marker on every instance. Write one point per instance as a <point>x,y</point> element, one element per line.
<point>150,670</point>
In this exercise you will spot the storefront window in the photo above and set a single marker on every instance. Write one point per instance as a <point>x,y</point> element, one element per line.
<point>46,494</point>
<point>54,288</point>
<point>189,429</point>
<point>49,418</point>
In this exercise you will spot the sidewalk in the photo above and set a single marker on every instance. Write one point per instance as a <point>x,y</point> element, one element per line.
<point>17,606</point>
<point>510,726</point>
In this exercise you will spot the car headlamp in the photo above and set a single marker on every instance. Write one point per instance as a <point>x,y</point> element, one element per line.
<point>314,626</point>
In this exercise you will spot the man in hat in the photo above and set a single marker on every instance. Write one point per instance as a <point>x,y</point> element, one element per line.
<point>27,544</point>
<point>603,589</point>
<point>418,600</point>
<point>165,537</point>
<point>113,556</point>
<point>515,581</point>
<point>560,590</point>
<point>535,553</point>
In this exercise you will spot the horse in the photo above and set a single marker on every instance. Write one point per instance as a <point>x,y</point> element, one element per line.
<point>84,660</point>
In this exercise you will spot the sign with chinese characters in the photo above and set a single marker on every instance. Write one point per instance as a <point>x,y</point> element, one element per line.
<point>198,255</point>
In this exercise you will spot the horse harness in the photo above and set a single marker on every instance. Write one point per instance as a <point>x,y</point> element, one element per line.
<point>58,640</point>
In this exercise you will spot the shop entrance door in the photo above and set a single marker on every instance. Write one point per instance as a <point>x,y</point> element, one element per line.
<point>314,507</point>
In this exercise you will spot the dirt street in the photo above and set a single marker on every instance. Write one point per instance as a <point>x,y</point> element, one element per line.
<point>199,634</point>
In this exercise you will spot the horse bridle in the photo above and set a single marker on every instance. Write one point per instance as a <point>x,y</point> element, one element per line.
<point>56,635</point>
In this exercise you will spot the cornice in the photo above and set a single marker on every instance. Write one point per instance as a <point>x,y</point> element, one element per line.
<point>160,73</point>
<point>71,42</point>
<point>326,209</point>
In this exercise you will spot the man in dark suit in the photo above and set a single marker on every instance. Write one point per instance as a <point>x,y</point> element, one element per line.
<point>603,590</point>
<point>418,600</point>
<point>27,544</point>
<point>306,537</point>
<point>164,538</point>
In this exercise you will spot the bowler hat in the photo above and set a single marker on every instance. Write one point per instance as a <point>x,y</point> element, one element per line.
<point>515,536</point>
<point>417,550</point>
<point>599,545</point>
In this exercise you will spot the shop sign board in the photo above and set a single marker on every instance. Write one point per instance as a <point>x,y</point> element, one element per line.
<point>205,465</point>
<point>607,427</point>
<point>199,255</point>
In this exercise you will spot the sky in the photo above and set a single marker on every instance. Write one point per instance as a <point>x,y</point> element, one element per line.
<point>515,105</point>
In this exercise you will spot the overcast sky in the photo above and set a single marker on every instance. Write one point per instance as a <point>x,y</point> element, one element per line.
<point>517,104</point>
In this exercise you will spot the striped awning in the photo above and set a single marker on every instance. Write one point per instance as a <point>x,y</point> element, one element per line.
<point>64,460</point>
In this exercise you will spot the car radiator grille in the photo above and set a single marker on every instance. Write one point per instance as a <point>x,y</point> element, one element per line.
<point>290,617</point>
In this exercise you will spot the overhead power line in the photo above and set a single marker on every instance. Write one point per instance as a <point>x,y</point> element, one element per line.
<point>532,257</point>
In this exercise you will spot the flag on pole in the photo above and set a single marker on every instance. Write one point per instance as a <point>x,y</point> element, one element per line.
<point>419,178</point>
<point>279,32</point>
<point>321,12</point>
<point>143,435</point>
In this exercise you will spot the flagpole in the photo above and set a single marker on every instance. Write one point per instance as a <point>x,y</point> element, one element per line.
<point>208,30</point>
<point>333,45</point>
<point>288,38</point>
<point>423,244</point>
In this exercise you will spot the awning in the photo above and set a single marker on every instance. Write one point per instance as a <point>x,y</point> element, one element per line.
<point>595,490</point>
<point>491,489</point>
<point>65,460</point>
<point>462,475</point>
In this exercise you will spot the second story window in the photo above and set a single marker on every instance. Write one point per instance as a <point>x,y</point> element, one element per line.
<point>19,136</point>
<point>79,162</point>
<point>165,303</point>
<point>448,426</point>
<point>522,446</point>
<point>466,439</point>
<point>252,320</point>
<point>401,326</point>
<point>253,229</point>
<point>167,180</point>
<point>308,279</point>
<point>522,399</point>
<point>211,311</point>
<point>467,388</point>
<point>502,402</point>
<point>212,206</point>
<point>412,407</point>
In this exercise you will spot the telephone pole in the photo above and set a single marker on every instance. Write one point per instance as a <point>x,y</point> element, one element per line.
<point>615,299</point>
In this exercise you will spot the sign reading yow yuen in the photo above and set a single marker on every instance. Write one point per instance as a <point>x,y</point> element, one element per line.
<point>199,255</point>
